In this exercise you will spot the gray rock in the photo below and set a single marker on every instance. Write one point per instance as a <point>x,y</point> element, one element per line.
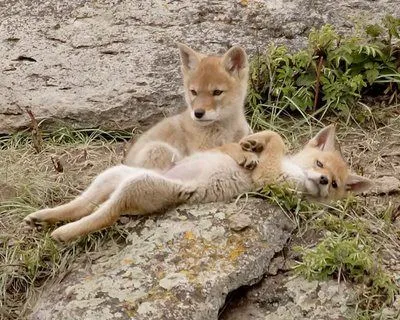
<point>173,280</point>
<point>239,221</point>
<point>173,268</point>
<point>283,297</point>
<point>114,63</point>
<point>276,264</point>
<point>314,300</point>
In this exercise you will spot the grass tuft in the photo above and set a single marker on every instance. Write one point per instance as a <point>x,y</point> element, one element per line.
<point>29,181</point>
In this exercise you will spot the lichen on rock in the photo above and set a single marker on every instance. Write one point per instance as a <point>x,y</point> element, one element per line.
<point>173,268</point>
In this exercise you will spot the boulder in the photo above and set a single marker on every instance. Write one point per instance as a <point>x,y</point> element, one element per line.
<point>114,63</point>
<point>282,297</point>
<point>180,265</point>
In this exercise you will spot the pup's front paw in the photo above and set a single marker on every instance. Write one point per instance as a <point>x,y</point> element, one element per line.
<point>249,161</point>
<point>251,145</point>
<point>34,220</point>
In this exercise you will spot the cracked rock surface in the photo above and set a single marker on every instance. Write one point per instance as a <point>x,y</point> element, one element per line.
<point>288,298</point>
<point>180,265</point>
<point>114,63</point>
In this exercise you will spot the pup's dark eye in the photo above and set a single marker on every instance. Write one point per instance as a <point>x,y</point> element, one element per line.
<point>319,164</point>
<point>334,184</point>
<point>193,92</point>
<point>217,92</point>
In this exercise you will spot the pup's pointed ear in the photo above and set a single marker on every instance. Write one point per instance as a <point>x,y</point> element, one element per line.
<point>325,139</point>
<point>358,184</point>
<point>189,58</point>
<point>235,61</point>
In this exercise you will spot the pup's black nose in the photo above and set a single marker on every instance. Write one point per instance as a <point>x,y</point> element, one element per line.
<point>199,113</point>
<point>323,180</point>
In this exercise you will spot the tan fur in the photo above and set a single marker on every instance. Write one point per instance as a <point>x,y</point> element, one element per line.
<point>305,168</point>
<point>213,175</point>
<point>271,149</point>
<point>179,136</point>
<point>208,176</point>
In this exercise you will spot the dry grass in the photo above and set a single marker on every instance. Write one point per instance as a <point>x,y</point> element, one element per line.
<point>30,181</point>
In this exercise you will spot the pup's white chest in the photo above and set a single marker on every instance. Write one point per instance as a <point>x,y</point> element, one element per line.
<point>293,171</point>
<point>201,166</point>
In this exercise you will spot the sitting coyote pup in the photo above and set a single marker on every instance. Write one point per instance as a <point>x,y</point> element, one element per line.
<point>318,170</point>
<point>215,90</point>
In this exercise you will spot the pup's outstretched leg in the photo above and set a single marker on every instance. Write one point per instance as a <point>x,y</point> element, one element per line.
<point>98,192</point>
<point>147,192</point>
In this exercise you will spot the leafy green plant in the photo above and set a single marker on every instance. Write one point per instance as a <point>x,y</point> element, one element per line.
<point>348,257</point>
<point>346,249</point>
<point>331,74</point>
<point>350,251</point>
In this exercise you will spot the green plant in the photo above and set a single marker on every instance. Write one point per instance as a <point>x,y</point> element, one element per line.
<point>350,251</point>
<point>349,257</point>
<point>346,248</point>
<point>330,75</point>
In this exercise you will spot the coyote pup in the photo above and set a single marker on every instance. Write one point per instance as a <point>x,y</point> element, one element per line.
<point>215,90</point>
<point>318,170</point>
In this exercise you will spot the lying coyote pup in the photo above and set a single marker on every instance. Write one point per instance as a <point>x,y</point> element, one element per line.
<point>215,90</point>
<point>318,170</point>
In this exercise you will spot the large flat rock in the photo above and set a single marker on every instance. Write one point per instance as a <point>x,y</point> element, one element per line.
<point>180,265</point>
<point>114,63</point>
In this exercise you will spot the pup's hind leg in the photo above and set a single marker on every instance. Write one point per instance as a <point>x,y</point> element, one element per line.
<point>98,192</point>
<point>154,155</point>
<point>244,158</point>
<point>148,192</point>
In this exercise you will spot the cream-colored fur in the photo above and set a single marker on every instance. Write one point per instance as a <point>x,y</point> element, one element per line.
<point>216,175</point>
<point>320,170</point>
<point>215,89</point>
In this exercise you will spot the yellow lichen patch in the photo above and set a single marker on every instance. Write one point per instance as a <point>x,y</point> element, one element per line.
<point>160,274</point>
<point>189,235</point>
<point>236,252</point>
<point>129,308</point>
<point>237,243</point>
<point>128,261</point>
<point>157,293</point>
<point>190,275</point>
